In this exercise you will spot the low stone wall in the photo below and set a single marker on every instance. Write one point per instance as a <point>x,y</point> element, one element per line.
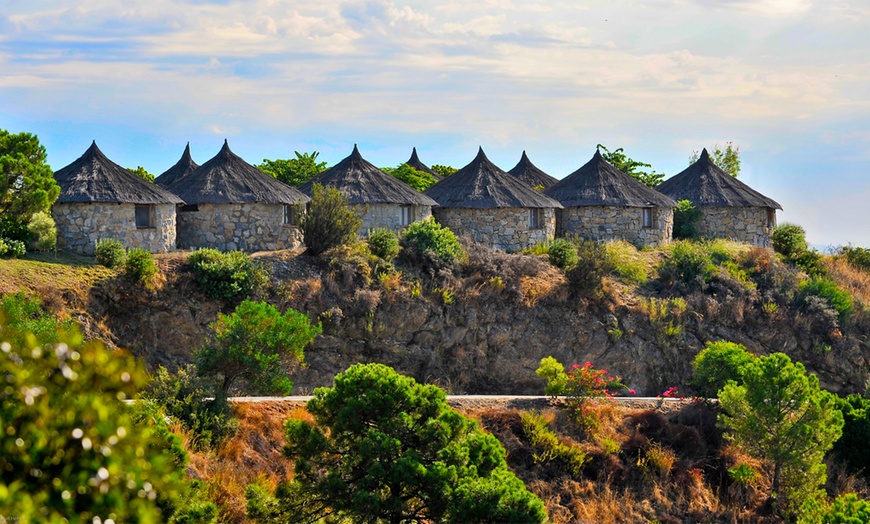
<point>80,225</point>
<point>501,228</point>
<point>751,225</point>
<point>244,227</point>
<point>616,223</point>
<point>389,216</point>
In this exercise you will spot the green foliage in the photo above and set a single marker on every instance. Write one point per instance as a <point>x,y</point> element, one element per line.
<point>743,474</point>
<point>330,221</point>
<point>562,253</point>
<point>847,509</point>
<point>294,171</point>
<point>789,240</point>
<point>627,263</point>
<point>716,365</point>
<point>593,264</point>
<point>71,449</point>
<point>385,448</point>
<point>779,413</point>
<point>419,180</point>
<point>140,267</point>
<point>255,343</point>
<point>689,265</point>
<point>384,243</point>
<point>728,159</point>
<point>43,231</point>
<point>630,167</point>
<point>110,252</point>
<point>586,386</point>
<point>851,448</point>
<point>827,289</point>
<point>686,217</point>
<point>548,447</point>
<point>24,315</point>
<point>226,276</point>
<point>14,228</point>
<point>553,370</point>
<point>442,170</point>
<point>27,183</point>
<point>142,173</point>
<point>428,237</point>
<point>857,257</point>
<point>12,248</point>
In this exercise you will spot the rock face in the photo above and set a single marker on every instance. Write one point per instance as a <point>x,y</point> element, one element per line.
<point>80,225</point>
<point>389,216</point>
<point>507,228</point>
<point>244,227</point>
<point>752,225</point>
<point>617,223</point>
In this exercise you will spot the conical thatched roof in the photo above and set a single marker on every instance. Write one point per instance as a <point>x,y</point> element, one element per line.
<point>529,174</point>
<point>95,178</point>
<point>598,183</point>
<point>182,168</point>
<point>227,179</point>
<point>414,162</point>
<point>705,184</point>
<point>363,183</point>
<point>481,184</point>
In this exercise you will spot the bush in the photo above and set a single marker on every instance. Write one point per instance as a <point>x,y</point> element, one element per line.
<point>627,262</point>
<point>12,248</point>
<point>562,253</point>
<point>686,217</point>
<point>553,370</point>
<point>719,363</point>
<point>43,231</point>
<point>13,227</point>
<point>549,448</point>
<point>110,252</point>
<point>429,237</point>
<point>827,289</point>
<point>851,447</point>
<point>690,265</point>
<point>789,240</point>
<point>140,267</point>
<point>226,276</point>
<point>593,264</point>
<point>384,243</point>
<point>858,257</point>
<point>330,221</point>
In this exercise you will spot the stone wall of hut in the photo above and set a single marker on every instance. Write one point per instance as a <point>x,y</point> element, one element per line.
<point>244,227</point>
<point>80,225</point>
<point>389,216</point>
<point>752,225</point>
<point>500,228</point>
<point>616,223</point>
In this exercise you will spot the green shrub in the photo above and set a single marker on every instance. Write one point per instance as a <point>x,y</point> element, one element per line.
<point>429,237</point>
<point>547,446</point>
<point>12,248</point>
<point>689,265</point>
<point>562,253</point>
<point>110,252</point>
<point>226,276</point>
<point>810,262</point>
<point>13,227</point>
<point>330,221</point>
<point>789,240</point>
<point>714,366</point>
<point>858,257</point>
<point>539,249</point>
<point>593,264</point>
<point>851,448</point>
<point>627,262</point>
<point>384,243</point>
<point>43,231</point>
<point>553,370</point>
<point>140,267</point>
<point>827,289</point>
<point>686,217</point>
<point>723,251</point>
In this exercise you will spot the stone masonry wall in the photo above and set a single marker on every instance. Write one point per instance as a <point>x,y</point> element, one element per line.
<point>80,225</point>
<point>389,216</point>
<point>616,223</point>
<point>500,228</point>
<point>246,227</point>
<point>743,224</point>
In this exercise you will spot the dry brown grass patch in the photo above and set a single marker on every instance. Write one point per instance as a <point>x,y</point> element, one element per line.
<point>849,278</point>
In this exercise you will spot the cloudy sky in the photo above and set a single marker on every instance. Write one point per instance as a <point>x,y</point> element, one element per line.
<point>788,81</point>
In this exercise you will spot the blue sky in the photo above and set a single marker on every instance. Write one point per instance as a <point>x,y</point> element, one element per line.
<point>788,81</point>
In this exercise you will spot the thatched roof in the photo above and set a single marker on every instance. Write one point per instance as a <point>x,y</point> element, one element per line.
<point>529,174</point>
<point>227,179</point>
<point>705,184</point>
<point>95,178</point>
<point>414,162</point>
<point>182,168</point>
<point>481,184</point>
<point>598,183</point>
<point>363,183</point>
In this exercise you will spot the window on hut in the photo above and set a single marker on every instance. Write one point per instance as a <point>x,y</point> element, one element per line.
<point>648,217</point>
<point>143,216</point>
<point>771,218</point>
<point>289,216</point>
<point>407,216</point>
<point>535,219</point>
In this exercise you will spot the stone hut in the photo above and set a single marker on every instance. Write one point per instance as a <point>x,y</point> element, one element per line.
<point>231,205</point>
<point>415,162</point>
<point>529,174</point>
<point>730,208</point>
<point>182,168</point>
<point>484,203</point>
<point>603,203</point>
<point>384,200</point>
<point>100,199</point>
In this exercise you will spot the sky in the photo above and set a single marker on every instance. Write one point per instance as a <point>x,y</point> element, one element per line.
<point>787,81</point>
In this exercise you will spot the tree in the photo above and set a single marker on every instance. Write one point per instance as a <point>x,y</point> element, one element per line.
<point>330,221</point>
<point>256,343</point>
<point>727,159</point>
<point>443,170</point>
<point>631,167</point>
<point>419,180</point>
<point>384,448</point>
<point>686,217</point>
<point>294,171</point>
<point>779,413</point>
<point>142,173</point>
<point>720,362</point>
<point>27,183</point>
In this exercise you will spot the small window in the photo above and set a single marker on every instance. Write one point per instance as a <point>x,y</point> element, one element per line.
<point>648,217</point>
<point>407,216</point>
<point>289,215</point>
<point>189,208</point>
<point>143,216</point>
<point>771,217</point>
<point>535,219</point>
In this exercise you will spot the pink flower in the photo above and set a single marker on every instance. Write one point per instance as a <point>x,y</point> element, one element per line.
<point>632,392</point>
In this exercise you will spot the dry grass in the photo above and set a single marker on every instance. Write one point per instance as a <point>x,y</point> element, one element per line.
<point>849,278</point>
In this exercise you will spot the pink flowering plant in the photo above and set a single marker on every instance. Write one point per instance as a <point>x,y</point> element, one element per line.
<point>586,387</point>
<point>671,392</point>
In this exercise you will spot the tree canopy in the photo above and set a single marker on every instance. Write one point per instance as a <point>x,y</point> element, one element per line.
<point>419,180</point>
<point>727,158</point>
<point>294,171</point>
<point>383,448</point>
<point>27,183</point>
<point>443,170</point>
<point>632,167</point>
<point>142,173</point>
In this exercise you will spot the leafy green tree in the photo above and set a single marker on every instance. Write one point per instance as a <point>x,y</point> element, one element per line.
<point>851,447</point>
<point>142,173</point>
<point>789,240</point>
<point>443,170</point>
<point>719,363</point>
<point>27,183</point>
<point>631,167</point>
<point>553,370</point>
<point>779,413</point>
<point>387,449</point>
<point>419,180</point>
<point>330,221</point>
<point>294,171</point>
<point>728,159</point>
<point>686,217</point>
<point>255,343</point>
<point>43,231</point>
